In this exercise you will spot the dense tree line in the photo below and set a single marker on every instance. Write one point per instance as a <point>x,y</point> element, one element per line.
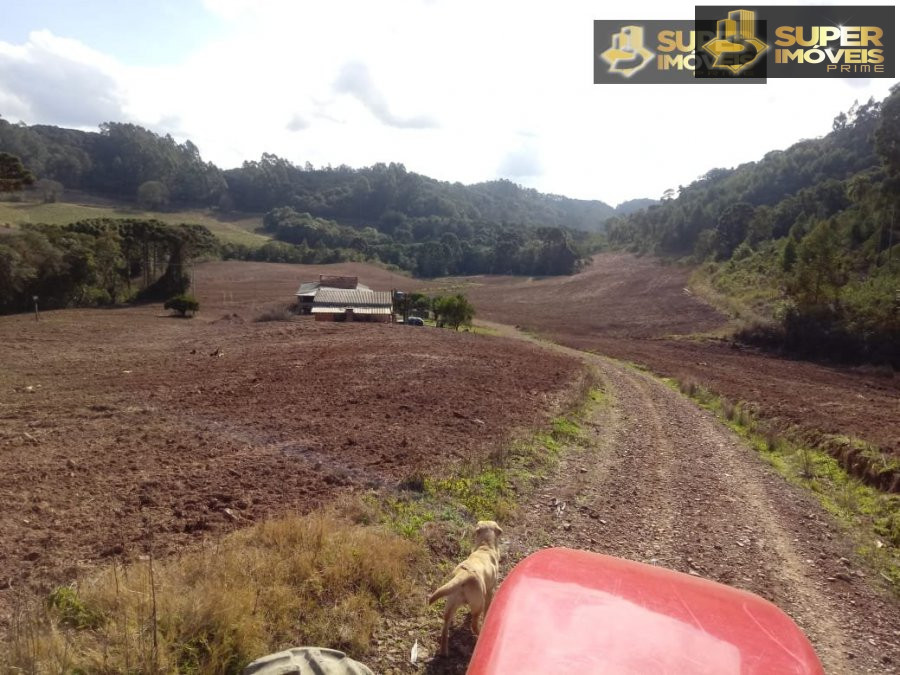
<point>97,262</point>
<point>127,162</point>
<point>381,192</point>
<point>815,224</point>
<point>383,212</point>
<point>116,161</point>
<point>429,247</point>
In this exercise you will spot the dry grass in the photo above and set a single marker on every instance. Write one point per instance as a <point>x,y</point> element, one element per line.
<point>688,387</point>
<point>282,312</point>
<point>314,580</point>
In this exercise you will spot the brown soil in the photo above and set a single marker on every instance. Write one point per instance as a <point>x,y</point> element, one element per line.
<point>638,310</point>
<point>112,426</point>
<point>661,481</point>
<point>119,423</point>
<point>707,505</point>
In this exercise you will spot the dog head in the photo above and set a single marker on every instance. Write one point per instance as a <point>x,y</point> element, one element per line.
<point>486,532</point>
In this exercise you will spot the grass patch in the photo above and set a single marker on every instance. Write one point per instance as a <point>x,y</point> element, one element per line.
<point>323,579</point>
<point>318,579</point>
<point>241,230</point>
<point>746,290</point>
<point>871,516</point>
<point>490,490</point>
<point>565,427</point>
<point>478,329</point>
<point>474,329</point>
<point>599,396</point>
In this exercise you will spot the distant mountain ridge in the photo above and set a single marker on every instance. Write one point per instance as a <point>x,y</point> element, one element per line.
<point>632,205</point>
<point>120,158</point>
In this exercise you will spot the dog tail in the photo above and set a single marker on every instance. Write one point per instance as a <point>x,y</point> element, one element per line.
<point>450,586</point>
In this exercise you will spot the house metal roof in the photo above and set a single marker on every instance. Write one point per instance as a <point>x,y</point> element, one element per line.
<point>311,287</point>
<point>347,299</point>
<point>308,288</point>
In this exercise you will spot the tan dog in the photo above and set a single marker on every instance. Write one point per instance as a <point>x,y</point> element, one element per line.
<point>474,580</point>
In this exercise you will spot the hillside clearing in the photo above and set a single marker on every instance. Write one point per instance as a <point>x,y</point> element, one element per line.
<point>239,230</point>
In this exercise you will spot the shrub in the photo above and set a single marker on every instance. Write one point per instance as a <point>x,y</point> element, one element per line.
<point>280,313</point>
<point>183,304</point>
<point>71,610</point>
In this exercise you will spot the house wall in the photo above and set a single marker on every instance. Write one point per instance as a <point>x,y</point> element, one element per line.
<point>367,318</point>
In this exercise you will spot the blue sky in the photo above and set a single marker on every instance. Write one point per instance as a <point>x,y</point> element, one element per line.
<point>461,90</point>
<point>152,33</point>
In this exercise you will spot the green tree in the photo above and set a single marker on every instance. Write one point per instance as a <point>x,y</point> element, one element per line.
<point>453,310</point>
<point>153,195</point>
<point>705,245</point>
<point>887,136</point>
<point>760,226</point>
<point>16,273</point>
<point>13,175</point>
<point>819,270</point>
<point>432,259</point>
<point>731,227</point>
<point>109,263</point>
<point>789,255</point>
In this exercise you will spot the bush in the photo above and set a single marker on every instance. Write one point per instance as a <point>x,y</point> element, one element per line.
<point>183,304</point>
<point>280,313</point>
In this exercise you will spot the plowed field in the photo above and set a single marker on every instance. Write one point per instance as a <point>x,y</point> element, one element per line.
<point>639,310</point>
<point>116,425</point>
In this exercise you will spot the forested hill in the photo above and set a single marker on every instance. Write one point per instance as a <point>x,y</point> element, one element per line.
<point>119,159</point>
<point>806,238</point>
<point>761,200</point>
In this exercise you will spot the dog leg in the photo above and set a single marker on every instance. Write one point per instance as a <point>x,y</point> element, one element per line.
<point>476,616</point>
<point>449,610</point>
<point>476,597</point>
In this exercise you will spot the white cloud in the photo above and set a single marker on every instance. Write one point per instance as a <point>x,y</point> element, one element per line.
<point>53,80</point>
<point>354,79</point>
<point>297,123</point>
<point>522,163</point>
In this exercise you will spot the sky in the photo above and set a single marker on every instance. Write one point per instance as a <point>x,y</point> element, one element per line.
<point>459,90</point>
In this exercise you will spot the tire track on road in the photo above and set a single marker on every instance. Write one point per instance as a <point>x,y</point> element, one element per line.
<point>666,483</point>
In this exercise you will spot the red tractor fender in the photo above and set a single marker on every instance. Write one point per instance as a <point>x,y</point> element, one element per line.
<point>564,611</point>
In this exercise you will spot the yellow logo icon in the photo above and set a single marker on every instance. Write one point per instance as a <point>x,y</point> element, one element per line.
<point>736,46</point>
<point>628,53</point>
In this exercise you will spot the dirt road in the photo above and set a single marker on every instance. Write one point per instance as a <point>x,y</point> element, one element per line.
<point>639,310</point>
<point>663,482</point>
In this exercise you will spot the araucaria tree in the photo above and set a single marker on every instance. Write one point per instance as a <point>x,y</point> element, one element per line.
<point>13,175</point>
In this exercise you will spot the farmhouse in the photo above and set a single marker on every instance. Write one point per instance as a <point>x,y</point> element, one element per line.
<point>337,298</point>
